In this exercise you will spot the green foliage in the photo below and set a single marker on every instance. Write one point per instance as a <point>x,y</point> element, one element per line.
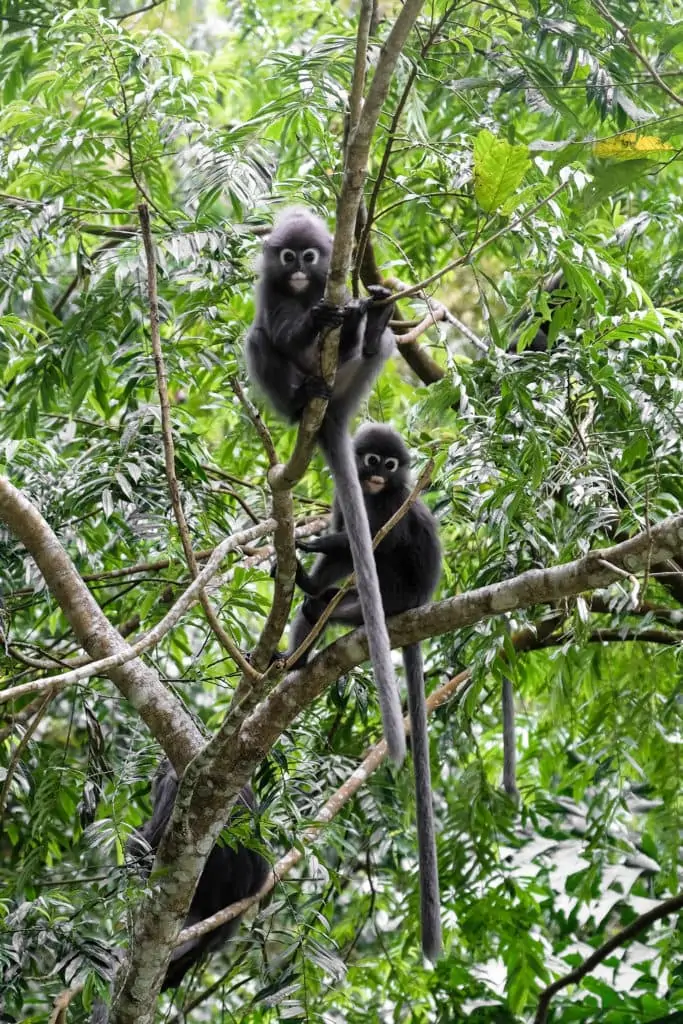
<point>215,119</point>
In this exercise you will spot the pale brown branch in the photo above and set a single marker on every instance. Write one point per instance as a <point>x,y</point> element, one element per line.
<point>360,63</point>
<point>324,816</point>
<point>667,907</point>
<point>61,1004</point>
<point>127,653</point>
<point>355,170</point>
<point>162,712</point>
<point>436,312</point>
<point>525,640</point>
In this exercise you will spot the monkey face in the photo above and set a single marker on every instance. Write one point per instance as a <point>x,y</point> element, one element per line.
<point>382,458</point>
<point>297,255</point>
<point>380,471</point>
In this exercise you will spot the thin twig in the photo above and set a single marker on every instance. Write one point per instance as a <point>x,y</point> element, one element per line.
<point>630,42</point>
<point>256,418</point>
<point>391,138</point>
<point>159,631</point>
<point>221,634</point>
<point>360,63</point>
<point>667,907</point>
<point>470,256</point>
<point>140,10</point>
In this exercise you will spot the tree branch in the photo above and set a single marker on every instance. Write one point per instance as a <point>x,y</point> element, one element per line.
<point>525,640</point>
<point>86,619</point>
<point>670,906</point>
<point>355,171</point>
<point>162,712</point>
<point>224,639</point>
<point>631,44</point>
<point>473,253</point>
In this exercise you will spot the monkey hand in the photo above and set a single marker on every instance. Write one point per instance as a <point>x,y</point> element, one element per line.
<point>326,314</point>
<point>312,387</point>
<point>306,545</point>
<point>378,293</point>
<point>379,315</point>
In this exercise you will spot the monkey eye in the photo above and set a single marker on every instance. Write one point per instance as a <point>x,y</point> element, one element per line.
<point>311,256</point>
<point>371,460</point>
<point>287,256</point>
<point>391,464</point>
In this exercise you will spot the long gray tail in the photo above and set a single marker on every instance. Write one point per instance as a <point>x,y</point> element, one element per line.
<point>338,449</point>
<point>430,911</point>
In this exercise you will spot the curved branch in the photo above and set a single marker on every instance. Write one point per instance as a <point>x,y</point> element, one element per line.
<point>127,653</point>
<point>161,711</point>
<point>670,906</point>
<point>534,587</point>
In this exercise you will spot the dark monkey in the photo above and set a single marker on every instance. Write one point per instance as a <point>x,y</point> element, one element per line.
<point>283,359</point>
<point>408,564</point>
<point>230,874</point>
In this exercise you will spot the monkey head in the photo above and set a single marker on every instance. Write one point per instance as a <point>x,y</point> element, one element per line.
<point>382,459</point>
<point>296,254</point>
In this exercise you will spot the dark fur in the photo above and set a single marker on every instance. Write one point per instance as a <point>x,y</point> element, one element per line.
<point>283,360</point>
<point>408,562</point>
<point>230,874</point>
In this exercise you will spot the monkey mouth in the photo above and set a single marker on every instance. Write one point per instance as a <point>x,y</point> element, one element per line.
<point>298,282</point>
<point>374,484</point>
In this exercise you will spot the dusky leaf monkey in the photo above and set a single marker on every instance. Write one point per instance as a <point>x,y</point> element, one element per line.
<point>283,360</point>
<point>408,562</point>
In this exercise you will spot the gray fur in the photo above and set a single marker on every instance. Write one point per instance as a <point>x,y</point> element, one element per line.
<point>408,562</point>
<point>283,360</point>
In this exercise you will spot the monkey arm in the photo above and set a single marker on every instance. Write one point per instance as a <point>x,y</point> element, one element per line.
<point>378,319</point>
<point>293,331</point>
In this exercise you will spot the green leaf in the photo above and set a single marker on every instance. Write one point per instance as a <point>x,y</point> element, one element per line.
<point>498,170</point>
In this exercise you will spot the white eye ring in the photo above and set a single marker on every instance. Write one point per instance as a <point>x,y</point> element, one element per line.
<point>391,464</point>
<point>287,256</point>
<point>371,460</point>
<point>311,256</point>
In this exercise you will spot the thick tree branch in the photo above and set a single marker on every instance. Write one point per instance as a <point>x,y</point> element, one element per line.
<point>667,907</point>
<point>161,711</point>
<point>534,587</point>
<point>528,639</point>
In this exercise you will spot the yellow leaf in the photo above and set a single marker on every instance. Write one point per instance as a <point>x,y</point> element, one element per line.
<point>630,146</point>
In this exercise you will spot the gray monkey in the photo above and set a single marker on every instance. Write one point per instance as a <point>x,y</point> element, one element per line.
<point>408,562</point>
<point>283,360</point>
